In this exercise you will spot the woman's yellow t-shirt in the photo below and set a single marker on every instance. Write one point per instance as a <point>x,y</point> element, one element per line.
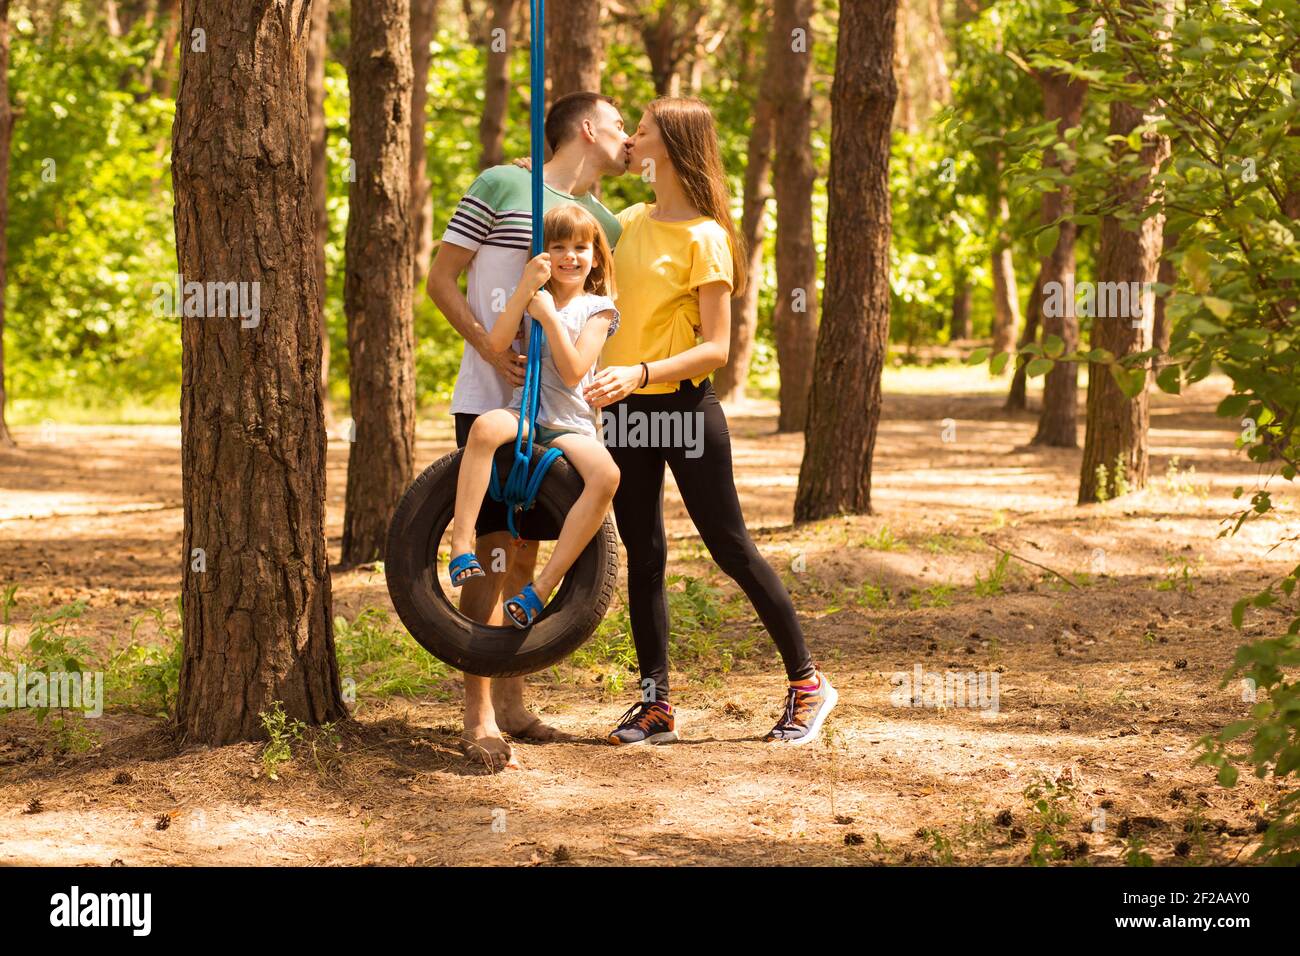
<point>658,266</point>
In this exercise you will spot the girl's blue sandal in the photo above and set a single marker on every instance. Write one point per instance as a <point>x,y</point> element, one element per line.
<point>463,567</point>
<point>523,608</point>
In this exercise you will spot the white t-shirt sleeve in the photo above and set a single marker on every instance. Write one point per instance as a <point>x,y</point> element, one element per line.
<point>602,303</point>
<point>475,215</point>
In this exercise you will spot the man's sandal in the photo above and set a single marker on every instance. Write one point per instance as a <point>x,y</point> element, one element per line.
<point>463,567</point>
<point>523,608</point>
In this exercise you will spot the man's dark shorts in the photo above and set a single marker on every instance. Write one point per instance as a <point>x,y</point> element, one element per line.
<point>534,524</point>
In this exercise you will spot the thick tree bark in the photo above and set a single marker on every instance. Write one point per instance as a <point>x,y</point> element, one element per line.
<point>1058,421</point>
<point>794,320</point>
<point>316,53</point>
<point>729,382</point>
<point>378,281</point>
<point>1116,424</point>
<point>853,337</point>
<point>575,46</point>
<point>256,589</point>
<point>6,132</point>
<point>424,19</point>
<point>496,95</point>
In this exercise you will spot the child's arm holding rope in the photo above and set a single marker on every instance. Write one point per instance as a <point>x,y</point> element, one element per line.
<point>536,274</point>
<point>572,360</point>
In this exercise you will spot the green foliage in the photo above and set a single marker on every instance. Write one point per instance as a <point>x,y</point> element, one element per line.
<point>1229,99</point>
<point>90,220</point>
<point>146,677</point>
<point>996,581</point>
<point>695,615</point>
<point>282,732</point>
<point>384,660</point>
<point>1134,854</point>
<point>1049,800</point>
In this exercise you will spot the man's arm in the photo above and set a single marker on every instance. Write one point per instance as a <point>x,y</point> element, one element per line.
<point>444,289</point>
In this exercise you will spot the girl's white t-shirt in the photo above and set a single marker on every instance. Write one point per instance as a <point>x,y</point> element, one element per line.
<point>562,407</point>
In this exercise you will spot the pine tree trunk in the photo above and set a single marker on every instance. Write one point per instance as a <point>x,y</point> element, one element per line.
<point>729,382</point>
<point>574,46</point>
<point>6,133</point>
<point>496,94</point>
<point>794,320</point>
<point>1058,421</point>
<point>1017,395</point>
<point>853,337</point>
<point>256,588</point>
<point>317,48</point>
<point>959,328</point>
<point>1116,424</point>
<point>424,18</point>
<point>162,73</point>
<point>377,284</point>
<point>1006,298</point>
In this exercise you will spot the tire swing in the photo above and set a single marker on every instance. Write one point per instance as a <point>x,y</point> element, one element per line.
<point>537,476</point>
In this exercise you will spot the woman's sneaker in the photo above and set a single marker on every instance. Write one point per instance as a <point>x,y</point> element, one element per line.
<point>649,722</point>
<point>805,711</point>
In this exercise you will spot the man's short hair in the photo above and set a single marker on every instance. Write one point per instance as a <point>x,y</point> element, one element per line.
<point>567,113</point>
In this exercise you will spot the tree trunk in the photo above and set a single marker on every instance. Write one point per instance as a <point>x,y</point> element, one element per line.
<point>160,67</point>
<point>1167,275</point>
<point>794,320</point>
<point>1058,421</point>
<point>496,95</point>
<point>1017,395</point>
<point>316,54</point>
<point>960,324</point>
<point>729,382</point>
<point>1006,299</point>
<point>844,410</point>
<point>111,21</point>
<point>424,17</point>
<point>377,283</point>
<point>256,591</point>
<point>1117,424</point>
<point>6,132</point>
<point>574,46</point>
<point>667,42</point>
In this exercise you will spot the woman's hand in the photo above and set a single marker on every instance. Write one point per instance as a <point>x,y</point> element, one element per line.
<point>613,384</point>
<point>524,162</point>
<point>537,273</point>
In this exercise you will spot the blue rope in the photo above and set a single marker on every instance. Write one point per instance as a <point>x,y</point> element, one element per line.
<point>520,490</point>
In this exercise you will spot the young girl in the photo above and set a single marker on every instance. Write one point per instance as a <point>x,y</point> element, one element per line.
<point>567,290</point>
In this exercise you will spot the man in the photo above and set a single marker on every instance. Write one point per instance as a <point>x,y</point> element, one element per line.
<point>489,234</point>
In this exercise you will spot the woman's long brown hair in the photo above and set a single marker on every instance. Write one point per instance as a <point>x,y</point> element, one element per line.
<point>691,139</point>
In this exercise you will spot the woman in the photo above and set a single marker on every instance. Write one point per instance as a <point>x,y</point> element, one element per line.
<point>679,261</point>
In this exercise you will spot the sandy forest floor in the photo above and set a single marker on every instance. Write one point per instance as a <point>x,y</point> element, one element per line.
<point>1104,688</point>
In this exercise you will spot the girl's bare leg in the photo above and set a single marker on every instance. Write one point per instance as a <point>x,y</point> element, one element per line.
<point>491,430</point>
<point>600,481</point>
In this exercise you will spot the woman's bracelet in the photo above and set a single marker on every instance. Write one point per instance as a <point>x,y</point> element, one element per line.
<point>645,378</point>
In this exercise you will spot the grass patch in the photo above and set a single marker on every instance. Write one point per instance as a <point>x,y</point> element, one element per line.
<point>382,660</point>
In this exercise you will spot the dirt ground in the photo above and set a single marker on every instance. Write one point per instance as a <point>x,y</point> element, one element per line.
<point>1104,687</point>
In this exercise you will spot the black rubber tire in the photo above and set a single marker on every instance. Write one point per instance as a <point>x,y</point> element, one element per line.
<point>410,567</point>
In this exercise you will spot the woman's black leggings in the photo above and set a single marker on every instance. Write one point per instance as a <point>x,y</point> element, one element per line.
<point>694,441</point>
